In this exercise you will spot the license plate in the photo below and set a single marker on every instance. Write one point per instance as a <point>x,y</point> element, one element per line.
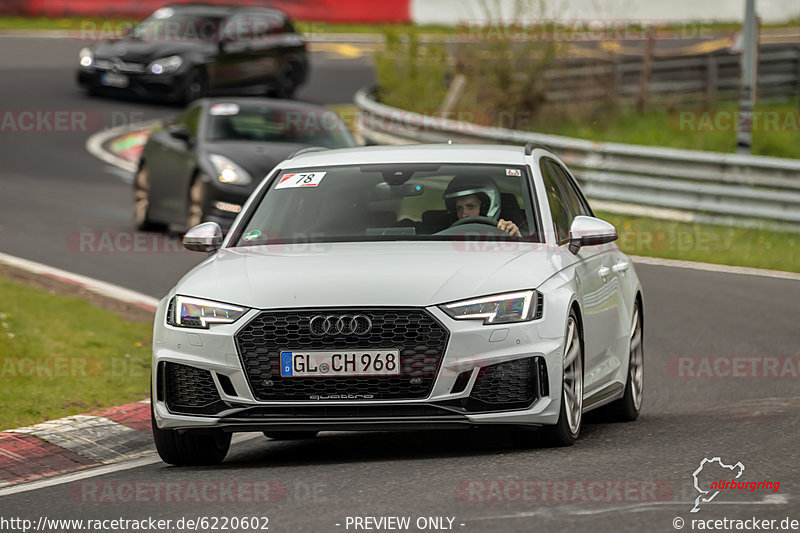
<point>301,364</point>
<point>112,79</point>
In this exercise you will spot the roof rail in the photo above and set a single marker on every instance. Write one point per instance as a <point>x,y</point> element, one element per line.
<point>530,147</point>
<point>307,150</point>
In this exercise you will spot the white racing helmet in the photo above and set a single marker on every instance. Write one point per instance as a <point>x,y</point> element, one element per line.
<point>483,187</point>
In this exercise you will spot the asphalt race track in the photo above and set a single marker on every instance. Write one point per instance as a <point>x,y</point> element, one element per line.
<point>618,477</point>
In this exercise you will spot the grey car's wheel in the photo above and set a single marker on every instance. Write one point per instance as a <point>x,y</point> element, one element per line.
<point>627,408</point>
<point>197,200</point>
<point>185,449</point>
<point>570,416</point>
<point>290,435</point>
<point>141,202</point>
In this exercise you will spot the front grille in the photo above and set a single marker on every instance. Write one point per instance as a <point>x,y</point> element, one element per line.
<point>510,385</point>
<point>191,390</point>
<point>420,339</point>
<point>120,66</point>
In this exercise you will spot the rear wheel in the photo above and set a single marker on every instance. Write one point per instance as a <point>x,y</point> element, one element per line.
<point>290,435</point>
<point>190,448</point>
<point>627,408</point>
<point>141,202</point>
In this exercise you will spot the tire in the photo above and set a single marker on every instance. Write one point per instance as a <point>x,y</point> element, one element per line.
<point>290,435</point>
<point>195,211</point>
<point>141,202</point>
<point>190,449</point>
<point>570,416</point>
<point>285,83</point>
<point>627,408</point>
<point>196,86</point>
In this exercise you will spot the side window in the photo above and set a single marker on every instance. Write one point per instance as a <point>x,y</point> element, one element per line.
<point>577,202</point>
<point>191,119</point>
<point>559,209</point>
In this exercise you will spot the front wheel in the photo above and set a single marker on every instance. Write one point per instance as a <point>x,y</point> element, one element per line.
<point>570,417</point>
<point>190,448</point>
<point>627,408</point>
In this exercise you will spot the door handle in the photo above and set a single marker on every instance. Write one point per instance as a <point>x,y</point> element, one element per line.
<point>604,272</point>
<point>621,267</point>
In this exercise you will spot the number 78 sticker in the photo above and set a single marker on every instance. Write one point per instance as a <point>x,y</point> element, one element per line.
<point>308,179</point>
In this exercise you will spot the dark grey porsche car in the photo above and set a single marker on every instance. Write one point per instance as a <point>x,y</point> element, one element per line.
<point>203,166</point>
<point>184,52</point>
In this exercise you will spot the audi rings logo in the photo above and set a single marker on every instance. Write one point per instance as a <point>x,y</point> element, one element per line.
<point>340,325</point>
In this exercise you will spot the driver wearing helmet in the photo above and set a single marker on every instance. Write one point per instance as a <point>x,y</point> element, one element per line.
<point>475,197</point>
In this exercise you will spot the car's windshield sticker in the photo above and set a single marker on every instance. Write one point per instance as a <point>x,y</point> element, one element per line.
<point>512,172</point>
<point>307,179</point>
<point>251,235</point>
<point>224,109</point>
<point>163,13</point>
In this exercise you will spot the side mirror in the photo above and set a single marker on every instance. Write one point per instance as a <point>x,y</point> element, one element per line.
<point>589,231</point>
<point>179,131</point>
<point>205,237</point>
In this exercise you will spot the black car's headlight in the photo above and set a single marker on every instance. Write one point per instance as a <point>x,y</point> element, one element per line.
<point>165,65</point>
<point>228,171</point>
<point>496,309</point>
<point>187,312</point>
<point>86,57</point>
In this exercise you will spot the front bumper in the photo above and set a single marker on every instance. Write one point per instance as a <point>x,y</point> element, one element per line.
<point>162,86</point>
<point>474,356</point>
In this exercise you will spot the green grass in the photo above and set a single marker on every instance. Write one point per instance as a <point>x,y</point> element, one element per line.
<point>60,356</point>
<point>757,248</point>
<point>697,131</point>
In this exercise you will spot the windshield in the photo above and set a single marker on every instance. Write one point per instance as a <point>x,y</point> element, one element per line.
<point>228,122</point>
<point>171,26</point>
<point>391,202</point>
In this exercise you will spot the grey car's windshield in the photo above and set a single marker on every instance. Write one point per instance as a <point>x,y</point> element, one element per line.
<point>392,202</point>
<point>235,122</point>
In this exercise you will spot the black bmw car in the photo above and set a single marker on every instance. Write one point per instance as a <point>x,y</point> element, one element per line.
<point>184,52</point>
<point>203,166</point>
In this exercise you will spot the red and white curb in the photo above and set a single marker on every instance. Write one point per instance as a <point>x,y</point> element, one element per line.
<point>75,442</point>
<point>80,441</point>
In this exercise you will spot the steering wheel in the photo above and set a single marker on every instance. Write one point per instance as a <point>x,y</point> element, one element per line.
<point>475,220</point>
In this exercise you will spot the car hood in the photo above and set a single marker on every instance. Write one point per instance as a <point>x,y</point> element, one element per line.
<point>368,274</point>
<point>135,51</point>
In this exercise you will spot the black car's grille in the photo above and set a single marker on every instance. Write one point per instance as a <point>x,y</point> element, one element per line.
<point>510,385</point>
<point>420,339</point>
<point>191,390</point>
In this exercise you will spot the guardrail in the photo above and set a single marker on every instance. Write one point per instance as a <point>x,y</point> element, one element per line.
<point>729,189</point>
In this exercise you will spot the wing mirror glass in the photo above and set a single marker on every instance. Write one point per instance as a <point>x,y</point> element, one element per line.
<point>205,237</point>
<point>590,231</point>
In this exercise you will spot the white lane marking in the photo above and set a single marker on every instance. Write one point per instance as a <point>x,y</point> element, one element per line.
<point>709,267</point>
<point>148,458</point>
<point>772,499</point>
<point>100,287</point>
<point>94,144</point>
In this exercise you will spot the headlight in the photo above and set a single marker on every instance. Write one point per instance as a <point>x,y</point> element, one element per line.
<point>498,309</point>
<point>86,57</point>
<point>165,64</point>
<point>228,171</point>
<point>189,312</point>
